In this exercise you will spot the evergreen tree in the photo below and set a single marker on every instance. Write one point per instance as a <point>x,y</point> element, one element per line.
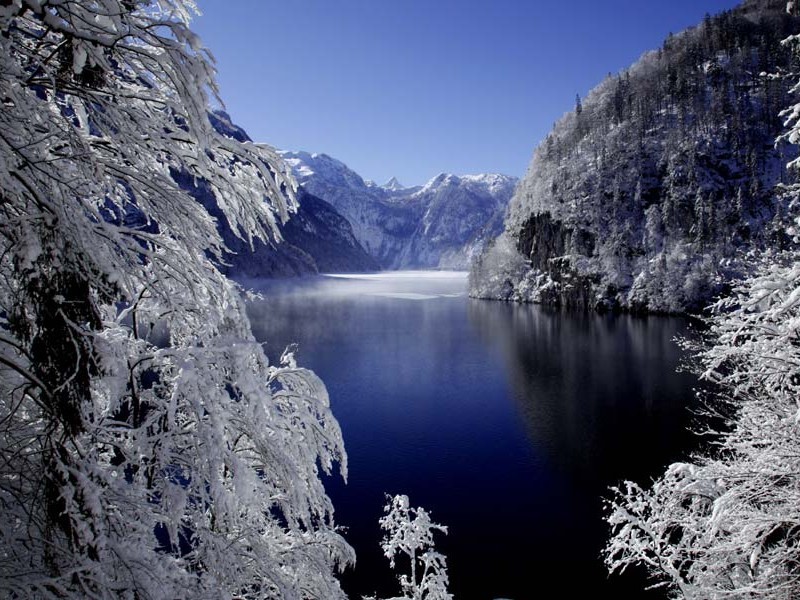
<point>697,117</point>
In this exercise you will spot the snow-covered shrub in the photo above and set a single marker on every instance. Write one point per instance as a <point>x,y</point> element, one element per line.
<point>409,534</point>
<point>727,525</point>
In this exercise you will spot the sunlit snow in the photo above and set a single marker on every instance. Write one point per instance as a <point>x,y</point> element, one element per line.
<point>389,275</point>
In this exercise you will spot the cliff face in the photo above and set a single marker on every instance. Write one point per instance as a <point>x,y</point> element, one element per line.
<point>327,237</point>
<point>649,195</point>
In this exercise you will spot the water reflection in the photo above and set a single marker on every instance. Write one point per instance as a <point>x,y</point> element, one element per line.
<point>508,422</point>
<point>598,394</point>
<point>600,402</point>
<point>321,313</point>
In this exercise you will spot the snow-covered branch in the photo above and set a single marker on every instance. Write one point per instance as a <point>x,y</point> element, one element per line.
<point>149,449</point>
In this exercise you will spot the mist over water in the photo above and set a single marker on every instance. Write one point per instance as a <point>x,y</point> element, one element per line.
<point>507,422</point>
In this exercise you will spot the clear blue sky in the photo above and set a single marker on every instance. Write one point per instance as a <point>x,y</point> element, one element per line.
<point>412,88</point>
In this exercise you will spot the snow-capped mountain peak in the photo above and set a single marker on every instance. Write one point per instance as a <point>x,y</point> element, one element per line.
<point>494,184</point>
<point>393,185</point>
<point>441,180</point>
<point>318,166</point>
<point>438,225</point>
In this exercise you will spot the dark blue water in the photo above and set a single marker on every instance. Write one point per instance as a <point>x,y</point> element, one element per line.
<point>507,422</point>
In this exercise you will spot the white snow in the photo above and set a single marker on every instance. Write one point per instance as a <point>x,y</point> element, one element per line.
<point>389,275</point>
<point>405,295</point>
<point>439,225</point>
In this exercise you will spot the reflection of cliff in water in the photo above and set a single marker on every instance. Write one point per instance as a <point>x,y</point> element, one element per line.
<point>598,394</point>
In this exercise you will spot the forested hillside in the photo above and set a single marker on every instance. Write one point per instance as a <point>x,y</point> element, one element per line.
<point>648,195</point>
<point>724,523</point>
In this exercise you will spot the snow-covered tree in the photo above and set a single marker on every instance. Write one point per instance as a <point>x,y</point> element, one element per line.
<point>148,449</point>
<point>493,271</point>
<point>694,118</point>
<point>727,524</point>
<point>409,534</point>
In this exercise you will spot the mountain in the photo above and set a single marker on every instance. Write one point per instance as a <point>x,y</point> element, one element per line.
<point>380,224</point>
<point>315,238</point>
<point>393,185</point>
<point>442,224</point>
<point>651,192</point>
<point>461,214</point>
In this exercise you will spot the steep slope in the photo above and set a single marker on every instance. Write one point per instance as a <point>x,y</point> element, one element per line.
<point>315,238</point>
<point>649,194</point>
<point>461,214</point>
<point>320,231</point>
<point>439,225</point>
<point>380,222</point>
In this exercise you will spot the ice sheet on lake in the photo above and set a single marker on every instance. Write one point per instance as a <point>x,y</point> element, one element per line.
<point>404,285</point>
<point>412,295</point>
<point>390,275</point>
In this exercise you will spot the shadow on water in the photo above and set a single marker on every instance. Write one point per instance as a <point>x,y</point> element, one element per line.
<point>601,401</point>
<point>507,422</point>
<point>596,393</point>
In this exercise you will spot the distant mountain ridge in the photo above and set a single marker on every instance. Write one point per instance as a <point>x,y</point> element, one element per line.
<point>441,224</point>
<point>314,239</point>
<point>651,192</point>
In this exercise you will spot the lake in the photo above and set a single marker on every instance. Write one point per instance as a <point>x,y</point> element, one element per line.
<point>507,422</point>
